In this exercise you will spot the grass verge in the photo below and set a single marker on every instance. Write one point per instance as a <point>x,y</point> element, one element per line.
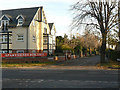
<point>26,64</point>
<point>110,64</point>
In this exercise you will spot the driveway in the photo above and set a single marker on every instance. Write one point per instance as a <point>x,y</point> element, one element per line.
<point>85,61</point>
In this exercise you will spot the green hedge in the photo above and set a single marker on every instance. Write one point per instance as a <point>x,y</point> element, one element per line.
<point>113,55</point>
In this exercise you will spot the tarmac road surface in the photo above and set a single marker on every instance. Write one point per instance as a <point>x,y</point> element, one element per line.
<point>64,75</point>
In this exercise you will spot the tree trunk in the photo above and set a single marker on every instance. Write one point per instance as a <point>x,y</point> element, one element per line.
<point>103,48</point>
<point>119,19</point>
<point>90,51</point>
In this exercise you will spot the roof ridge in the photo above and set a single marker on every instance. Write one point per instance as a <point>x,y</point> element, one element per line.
<point>21,8</point>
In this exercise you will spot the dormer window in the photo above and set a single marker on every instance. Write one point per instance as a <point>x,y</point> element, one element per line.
<point>4,20</point>
<point>20,19</point>
<point>20,22</point>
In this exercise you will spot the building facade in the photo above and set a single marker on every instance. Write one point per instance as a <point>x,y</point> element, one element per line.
<point>30,32</point>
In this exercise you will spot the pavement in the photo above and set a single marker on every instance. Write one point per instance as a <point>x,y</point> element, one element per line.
<point>79,73</point>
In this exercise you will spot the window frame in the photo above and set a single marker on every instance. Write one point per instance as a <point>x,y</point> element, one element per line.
<point>5,22</point>
<point>45,30</point>
<point>45,40</point>
<point>20,37</point>
<point>33,38</point>
<point>4,39</point>
<point>20,51</point>
<point>20,22</point>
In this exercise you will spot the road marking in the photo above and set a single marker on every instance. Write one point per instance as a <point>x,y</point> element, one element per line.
<point>42,80</point>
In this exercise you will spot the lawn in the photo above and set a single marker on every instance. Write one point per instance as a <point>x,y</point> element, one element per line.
<point>111,64</point>
<point>26,64</point>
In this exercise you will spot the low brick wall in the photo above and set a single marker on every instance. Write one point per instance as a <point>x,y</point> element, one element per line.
<point>73,57</point>
<point>36,59</point>
<point>61,58</point>
<point>25,60</point>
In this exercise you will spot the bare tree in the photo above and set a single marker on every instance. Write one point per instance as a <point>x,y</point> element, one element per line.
<point>99,14</point>
<point>119,19</point>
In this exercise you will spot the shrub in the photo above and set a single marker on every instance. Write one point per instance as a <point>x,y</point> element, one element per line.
<point>108,51</point>
<point>113,54</point>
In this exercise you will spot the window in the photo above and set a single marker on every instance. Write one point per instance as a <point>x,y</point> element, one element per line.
<point>5,51</point>
<point>34,38</point>
<point>33,22</point>
<point>44,19</point>
<point>45,40</point>
<point>4,38</point>
<point>33,51</point>
<point>5,22</point>
<point>53,41</point>
<point>45,30</point>
<point>20,22</point>
<point>20,38</point>
<point>20,19</point>
<point>20,51</point>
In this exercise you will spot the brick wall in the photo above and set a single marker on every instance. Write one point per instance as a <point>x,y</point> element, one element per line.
<point>24,60</point>
<point>36,59</point>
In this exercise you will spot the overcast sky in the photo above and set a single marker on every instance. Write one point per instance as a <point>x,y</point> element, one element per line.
<point>56,11</point>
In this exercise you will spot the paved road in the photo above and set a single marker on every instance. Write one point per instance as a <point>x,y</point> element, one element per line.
<point>80,73</point>
<point>60,78</point>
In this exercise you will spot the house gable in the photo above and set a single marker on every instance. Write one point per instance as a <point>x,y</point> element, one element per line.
<point>20,17</point>
<point>26,13</point>
<point>4,17</point>
<point>52,27</point>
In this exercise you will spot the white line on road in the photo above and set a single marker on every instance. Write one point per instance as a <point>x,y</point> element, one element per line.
<point>42,80</point>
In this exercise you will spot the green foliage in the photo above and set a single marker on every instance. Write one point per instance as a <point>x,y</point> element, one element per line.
<point>77,49</point>
<point>112,54</point>
<point>65,36</point>
<point>59,40</point>
<point>73,37</point>
<point>66,47</point>
<point>58,49</point>
<point>84,50</point>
